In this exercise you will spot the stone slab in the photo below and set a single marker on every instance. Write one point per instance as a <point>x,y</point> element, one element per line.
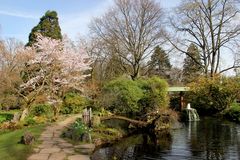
<point>69,150</point>
<point>39,156</point>
<point>65,145</point>
<point>50,150</point>
<point>79,157</point>
<point>57,156</point>
<point>86,146</point>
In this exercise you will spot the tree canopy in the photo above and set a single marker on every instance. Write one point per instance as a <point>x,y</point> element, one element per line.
<point>191,69</point>
<point>159,63</point>
<point>130,30</point>
<point>48,26</point>
<point>213,26</point>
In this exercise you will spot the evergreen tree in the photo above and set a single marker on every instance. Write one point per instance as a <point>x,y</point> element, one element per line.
<point>159,63</point>
<point>48,27</point>
<point>191,69</point>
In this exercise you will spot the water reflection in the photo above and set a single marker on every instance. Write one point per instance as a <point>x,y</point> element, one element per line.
<point>209,139</point>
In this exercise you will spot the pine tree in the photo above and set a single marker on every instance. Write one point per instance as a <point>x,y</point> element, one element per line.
<point>159,63</point>
<point>191,69</point>
<point>48,27</point>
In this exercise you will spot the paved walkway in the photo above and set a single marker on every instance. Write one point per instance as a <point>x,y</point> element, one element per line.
<point>55,148</point>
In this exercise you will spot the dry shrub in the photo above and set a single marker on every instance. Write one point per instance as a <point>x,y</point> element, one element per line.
<point>10,125</point>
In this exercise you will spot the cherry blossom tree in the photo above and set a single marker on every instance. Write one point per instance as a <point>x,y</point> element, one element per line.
<point>56,64</point>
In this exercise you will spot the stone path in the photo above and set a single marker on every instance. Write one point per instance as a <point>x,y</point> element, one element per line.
<point>55,148</point>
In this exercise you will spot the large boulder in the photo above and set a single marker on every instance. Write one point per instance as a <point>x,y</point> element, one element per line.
<point>27,138</point>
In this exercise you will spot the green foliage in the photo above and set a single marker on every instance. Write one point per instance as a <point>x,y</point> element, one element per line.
<point>48,26</point>
<point>80,128</point>
<point>41,109</point>
<point>73,103</point>
<point>128,97</point>
<point>159,63</point>
<point>77,130</point>
<point>191,68</point>
<point>121,96</point>
<point>213,95</point>
<point>233,113</point>
<point>29,121</point>
<point>5,117</point>
<point>155,94</point>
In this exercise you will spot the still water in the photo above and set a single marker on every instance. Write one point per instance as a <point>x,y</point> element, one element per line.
<point>208,139</point>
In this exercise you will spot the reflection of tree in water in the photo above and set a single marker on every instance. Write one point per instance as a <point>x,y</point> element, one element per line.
<point>211,139</point>
<point>134,147</point>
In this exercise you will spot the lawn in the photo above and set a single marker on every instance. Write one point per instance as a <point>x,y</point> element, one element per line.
<point>10,149</point>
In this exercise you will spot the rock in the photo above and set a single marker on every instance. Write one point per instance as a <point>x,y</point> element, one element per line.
<point>67,134</point>
<point>86,137</point>
<point>98,142</point>
<point>27,138</point>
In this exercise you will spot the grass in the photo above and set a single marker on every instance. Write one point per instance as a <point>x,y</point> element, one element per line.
<point>12,111</point>
<point>10,149</point>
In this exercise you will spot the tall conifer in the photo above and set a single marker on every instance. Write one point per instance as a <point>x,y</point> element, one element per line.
<point>48,27</point>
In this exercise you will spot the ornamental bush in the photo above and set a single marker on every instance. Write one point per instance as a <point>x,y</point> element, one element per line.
<point>132,98</point>
<point>5,117</point>
<point>213,95</point>
<point>154,94</point>
<point>73,103</point>
<point>121,96</point>
<point>41,109</point>
<point>77,131</point>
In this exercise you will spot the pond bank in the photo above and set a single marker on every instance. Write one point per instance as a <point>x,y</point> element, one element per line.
<point>209,138</point>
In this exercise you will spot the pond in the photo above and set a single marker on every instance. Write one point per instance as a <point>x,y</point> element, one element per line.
<point>210,139</point>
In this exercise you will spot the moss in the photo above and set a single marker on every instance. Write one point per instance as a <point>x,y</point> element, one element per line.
<point>103,135</point>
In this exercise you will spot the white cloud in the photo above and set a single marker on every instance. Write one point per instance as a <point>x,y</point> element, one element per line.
<point>18,14</point>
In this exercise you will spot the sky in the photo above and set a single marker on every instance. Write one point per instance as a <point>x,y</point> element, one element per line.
<point>18,17</point>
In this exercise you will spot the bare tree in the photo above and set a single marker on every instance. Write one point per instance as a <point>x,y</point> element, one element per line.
<point>11,65</point>
<point>212,25</point>
<point>130,30</point>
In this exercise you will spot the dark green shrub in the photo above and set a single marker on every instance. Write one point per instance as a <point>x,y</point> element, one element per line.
<point>121,96</point>
<point>213,95</point>
<point>41,109</point>
<point>29,121</point>
<point>233,113</point>
<point>73,103</point>
<point>5,117</point>
<point>132,98</point>
<point>155,94</point>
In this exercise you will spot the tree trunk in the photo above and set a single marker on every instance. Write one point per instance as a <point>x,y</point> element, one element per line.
<point>24,113</point>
